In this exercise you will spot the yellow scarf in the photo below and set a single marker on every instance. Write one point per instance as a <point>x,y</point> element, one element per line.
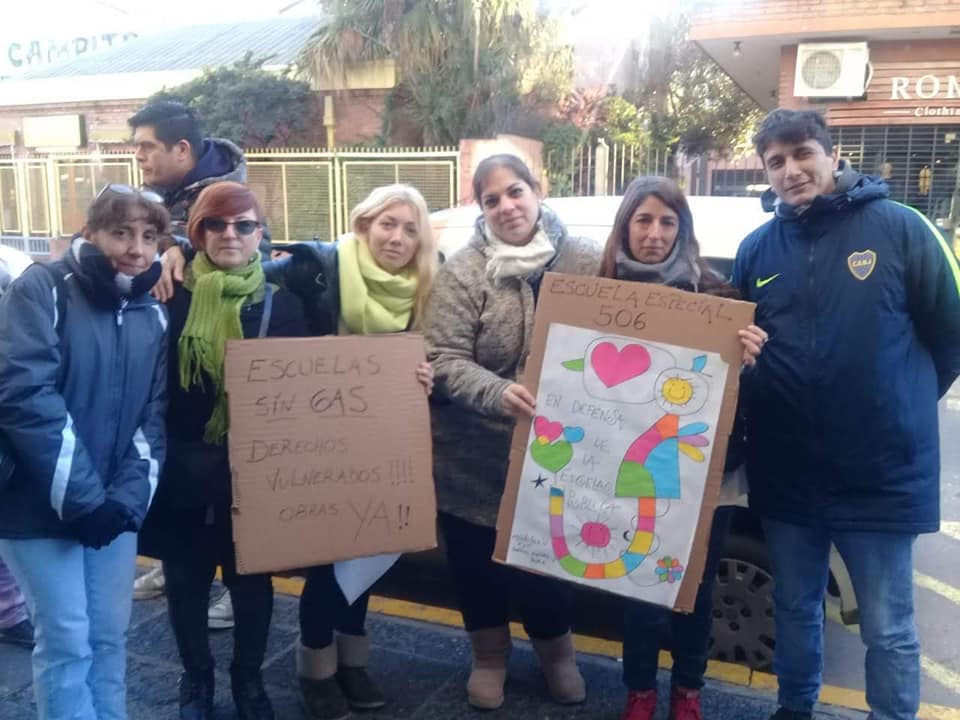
<point>372,300</point>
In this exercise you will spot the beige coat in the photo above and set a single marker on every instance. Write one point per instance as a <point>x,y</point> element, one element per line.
<point>478,337</point>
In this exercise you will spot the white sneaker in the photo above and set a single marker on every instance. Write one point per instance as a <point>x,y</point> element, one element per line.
<point>149,585</point>
<point>220,614</point>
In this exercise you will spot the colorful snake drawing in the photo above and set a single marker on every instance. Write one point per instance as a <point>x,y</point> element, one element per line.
<point>649,471</point>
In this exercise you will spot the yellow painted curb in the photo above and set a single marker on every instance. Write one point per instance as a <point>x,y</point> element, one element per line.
<point>730,673</point>
<point>763,681</point>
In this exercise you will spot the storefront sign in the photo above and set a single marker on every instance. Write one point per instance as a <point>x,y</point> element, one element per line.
<point>925,87</point>
<point>22,54</point>
<point>924,96</point>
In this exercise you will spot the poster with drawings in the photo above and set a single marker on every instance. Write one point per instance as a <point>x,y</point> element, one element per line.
<point>611,480</point>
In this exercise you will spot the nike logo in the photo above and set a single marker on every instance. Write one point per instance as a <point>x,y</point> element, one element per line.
<point>765,281</point>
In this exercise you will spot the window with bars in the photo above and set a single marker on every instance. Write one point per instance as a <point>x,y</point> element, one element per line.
<point>921,163</point>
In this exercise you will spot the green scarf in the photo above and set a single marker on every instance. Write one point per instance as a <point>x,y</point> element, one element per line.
<point>213,319</point>
<point>372,300</point>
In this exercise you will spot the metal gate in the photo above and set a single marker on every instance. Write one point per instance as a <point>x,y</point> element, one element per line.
<point>603,169</point>
<point>305,193</point>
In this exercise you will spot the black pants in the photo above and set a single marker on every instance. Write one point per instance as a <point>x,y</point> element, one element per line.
<point>485,589</point>
<point>205,541</point>
<point>647,624</point>
<point>323,609</point>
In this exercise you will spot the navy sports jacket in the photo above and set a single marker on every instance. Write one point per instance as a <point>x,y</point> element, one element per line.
<point>861,298</point>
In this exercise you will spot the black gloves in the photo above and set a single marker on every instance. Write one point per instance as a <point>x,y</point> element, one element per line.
<point>101,525</point>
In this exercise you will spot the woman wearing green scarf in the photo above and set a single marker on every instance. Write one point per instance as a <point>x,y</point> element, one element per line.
<point>224,296</point>
<point>375,280</point>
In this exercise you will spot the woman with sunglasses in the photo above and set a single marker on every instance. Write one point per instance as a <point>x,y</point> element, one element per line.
<point>374,280</point>
<point>83,378</point>
<point>224,296</point>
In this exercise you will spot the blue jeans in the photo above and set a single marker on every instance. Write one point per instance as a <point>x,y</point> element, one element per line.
<point>645,625</point>
<point>80,602</point>
<point>881,569</point>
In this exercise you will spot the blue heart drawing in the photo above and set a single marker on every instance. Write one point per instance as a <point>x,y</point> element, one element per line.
<point>573,434</point>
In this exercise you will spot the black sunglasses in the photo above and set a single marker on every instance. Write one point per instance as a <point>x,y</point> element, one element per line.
<point>219,225</point>
<point>121,189</point>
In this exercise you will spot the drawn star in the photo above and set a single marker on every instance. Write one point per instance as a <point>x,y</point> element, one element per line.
<point>539,481</point>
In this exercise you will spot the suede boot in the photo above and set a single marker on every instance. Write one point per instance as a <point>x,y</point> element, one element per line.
<point>316,673</point>
<point>491,650</point>
<point>353,653</point>
<point>558,660</point>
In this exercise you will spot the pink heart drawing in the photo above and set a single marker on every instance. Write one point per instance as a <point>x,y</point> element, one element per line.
<point>616,366</point>
<point>543,427</point>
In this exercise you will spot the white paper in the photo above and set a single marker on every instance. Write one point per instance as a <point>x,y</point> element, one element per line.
<point>616,462</point>
<point>357,576</point>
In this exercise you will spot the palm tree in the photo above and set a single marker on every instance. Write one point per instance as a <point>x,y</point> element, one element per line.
<point>449,86</point>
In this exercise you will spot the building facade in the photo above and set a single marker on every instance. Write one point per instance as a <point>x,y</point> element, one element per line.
<point>885,73</point>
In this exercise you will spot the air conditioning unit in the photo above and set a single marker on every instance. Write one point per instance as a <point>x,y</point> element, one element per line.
<point>831,70</point>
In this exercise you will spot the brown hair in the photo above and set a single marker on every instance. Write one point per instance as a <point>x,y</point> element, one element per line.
<point>503,160</point>
<point>221,199</point>
<point>667,191</point>
<point>113,208</point>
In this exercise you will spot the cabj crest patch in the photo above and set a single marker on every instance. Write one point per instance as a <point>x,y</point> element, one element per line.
<point>862,263</point>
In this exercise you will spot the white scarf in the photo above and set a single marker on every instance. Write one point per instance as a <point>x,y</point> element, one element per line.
<point>517,261</point>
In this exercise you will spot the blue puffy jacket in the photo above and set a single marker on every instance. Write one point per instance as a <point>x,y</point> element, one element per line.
<point>84,411</point>
<point>861,298</point>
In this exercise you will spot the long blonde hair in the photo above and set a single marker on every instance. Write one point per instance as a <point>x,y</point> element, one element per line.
<point>425,259</point>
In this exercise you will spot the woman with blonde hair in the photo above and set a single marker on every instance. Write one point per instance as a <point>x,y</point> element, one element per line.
<point>375,280</point>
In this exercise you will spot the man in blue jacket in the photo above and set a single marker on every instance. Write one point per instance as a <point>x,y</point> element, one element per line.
<point>860,296</point>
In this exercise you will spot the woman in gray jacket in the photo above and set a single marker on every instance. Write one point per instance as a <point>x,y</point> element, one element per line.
<point>479,322</point>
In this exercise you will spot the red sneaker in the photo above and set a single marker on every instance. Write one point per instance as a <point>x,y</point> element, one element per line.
<point>685,704</point>
<point>641,705</point>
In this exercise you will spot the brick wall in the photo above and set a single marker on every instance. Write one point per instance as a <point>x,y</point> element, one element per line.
<point>789,10</point>
<point>936,61</point>
<point>358,117</point>
<point>746,18</point>
<point>106,120</point>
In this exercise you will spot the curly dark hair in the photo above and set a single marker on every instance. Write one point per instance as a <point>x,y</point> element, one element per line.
<point>792,126</point>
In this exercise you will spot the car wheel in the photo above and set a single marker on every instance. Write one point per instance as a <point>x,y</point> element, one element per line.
<point>743,630</point>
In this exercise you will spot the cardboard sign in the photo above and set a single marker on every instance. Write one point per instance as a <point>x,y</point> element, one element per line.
<point>330,450</point>
<point>614,483</point>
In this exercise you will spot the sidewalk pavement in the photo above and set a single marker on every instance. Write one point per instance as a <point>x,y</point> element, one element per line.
<point>422,668</point>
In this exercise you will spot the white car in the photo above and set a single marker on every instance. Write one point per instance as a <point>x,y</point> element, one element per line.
<point>14,260</point>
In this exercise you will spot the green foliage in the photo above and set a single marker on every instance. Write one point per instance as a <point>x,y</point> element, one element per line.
<point>247,104</point>
<point>687,101</point>
<point>624,122</point>
<point>466,68</point>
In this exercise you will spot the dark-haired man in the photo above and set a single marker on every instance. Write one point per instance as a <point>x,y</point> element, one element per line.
<point>177,161</point>
<point>860,296</point>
